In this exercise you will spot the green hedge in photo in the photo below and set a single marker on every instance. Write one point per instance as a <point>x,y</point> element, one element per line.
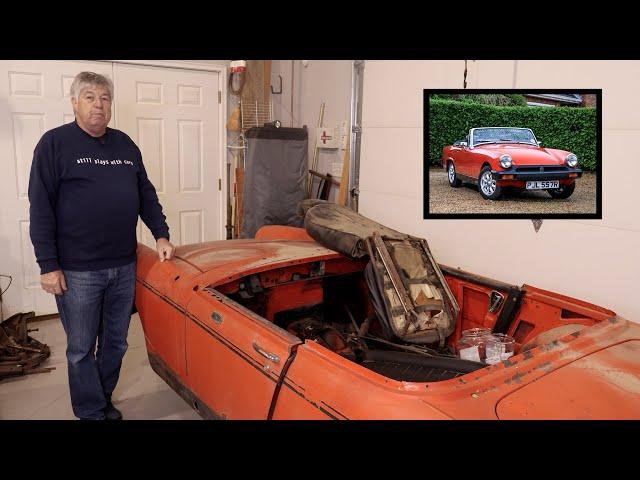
<point>565,128</point>
<point>499,99</point>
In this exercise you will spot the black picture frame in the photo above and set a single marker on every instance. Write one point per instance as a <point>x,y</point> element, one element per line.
<point>426,164</point>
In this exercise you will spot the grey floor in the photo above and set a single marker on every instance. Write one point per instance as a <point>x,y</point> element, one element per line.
<point>140,394</point>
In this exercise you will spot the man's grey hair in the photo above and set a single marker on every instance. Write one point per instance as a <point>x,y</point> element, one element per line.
<point>86,79</point>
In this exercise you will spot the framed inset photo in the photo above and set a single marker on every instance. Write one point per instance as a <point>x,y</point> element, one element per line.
<point>534,153</point>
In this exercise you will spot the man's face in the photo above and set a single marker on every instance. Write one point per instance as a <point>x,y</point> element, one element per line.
<point>93,109</point>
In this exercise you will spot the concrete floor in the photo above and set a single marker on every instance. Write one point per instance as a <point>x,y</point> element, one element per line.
<point>140,394</point>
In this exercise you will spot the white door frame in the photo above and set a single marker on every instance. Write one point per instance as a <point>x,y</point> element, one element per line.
<point>222,71</point>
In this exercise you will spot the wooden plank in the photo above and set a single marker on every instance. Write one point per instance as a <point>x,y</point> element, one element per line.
<point>443,282</point>
<point>254,87</point>
<point>326,177</point>
<point>237,224</point>
<point>344,182</point>
<point>267,81</point>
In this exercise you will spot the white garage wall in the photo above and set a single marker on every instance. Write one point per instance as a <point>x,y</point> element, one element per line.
<point>594,260</point>
<point>319,81</point>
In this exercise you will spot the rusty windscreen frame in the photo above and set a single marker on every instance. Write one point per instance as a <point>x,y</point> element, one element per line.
<point>455,307</point>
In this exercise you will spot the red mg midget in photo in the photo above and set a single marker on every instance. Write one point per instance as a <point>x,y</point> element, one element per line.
<point>499,157</point>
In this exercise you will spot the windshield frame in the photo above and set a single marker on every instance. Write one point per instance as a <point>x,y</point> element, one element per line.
<point>472,143</point>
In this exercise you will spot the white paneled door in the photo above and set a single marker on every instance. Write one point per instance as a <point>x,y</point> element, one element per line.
<point>173,116</point>
<point>34,98</point>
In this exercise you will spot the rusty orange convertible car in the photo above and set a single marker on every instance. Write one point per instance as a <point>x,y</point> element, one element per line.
<point>283,327</point>
<point>498,157</point>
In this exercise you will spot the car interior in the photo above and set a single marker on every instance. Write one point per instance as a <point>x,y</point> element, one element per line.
<point>330,303</point>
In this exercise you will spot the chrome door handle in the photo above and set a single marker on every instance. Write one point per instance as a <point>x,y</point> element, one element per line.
<point>269,356</point>
<point>495,300</point>
<point>216,317</point>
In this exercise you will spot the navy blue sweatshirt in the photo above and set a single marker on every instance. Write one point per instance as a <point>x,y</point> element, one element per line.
<point>86,194</point>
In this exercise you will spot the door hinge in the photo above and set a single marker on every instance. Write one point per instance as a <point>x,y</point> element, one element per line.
<point>219,96</point>
<point>220,184</point>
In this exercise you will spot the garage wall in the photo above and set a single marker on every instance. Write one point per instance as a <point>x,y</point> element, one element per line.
<point>319,81</point>
<point>594,260</point>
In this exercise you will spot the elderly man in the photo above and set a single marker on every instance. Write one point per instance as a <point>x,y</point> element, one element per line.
<point>87,187</point>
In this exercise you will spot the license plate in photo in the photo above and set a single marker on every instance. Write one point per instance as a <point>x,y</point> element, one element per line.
<point>542,185</point>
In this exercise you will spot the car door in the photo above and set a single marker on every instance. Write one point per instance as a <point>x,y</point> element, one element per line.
<point>234,357</point>
<point>159,299</point>
<point>462,157</point>
<point>484,302</point>
<point>321,384</point>
<point>454,155</point>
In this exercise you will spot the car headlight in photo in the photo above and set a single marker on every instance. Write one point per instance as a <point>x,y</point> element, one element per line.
<point>506,162</point>
<point>572,160</point>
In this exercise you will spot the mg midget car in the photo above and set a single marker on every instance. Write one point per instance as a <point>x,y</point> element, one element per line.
<point>499,157</point>
<point>283,327</point>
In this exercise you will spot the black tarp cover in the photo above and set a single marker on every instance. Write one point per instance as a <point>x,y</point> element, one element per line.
<point>275,179</point>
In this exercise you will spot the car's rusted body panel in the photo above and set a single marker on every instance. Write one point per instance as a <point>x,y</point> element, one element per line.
<point>229,362</point>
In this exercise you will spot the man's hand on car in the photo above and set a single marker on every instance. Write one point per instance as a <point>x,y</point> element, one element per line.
<point>165,249</point>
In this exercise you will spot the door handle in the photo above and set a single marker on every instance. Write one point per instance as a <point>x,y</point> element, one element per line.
<point>269,356</point>
<point>495,300</point>
<point>216,317</point>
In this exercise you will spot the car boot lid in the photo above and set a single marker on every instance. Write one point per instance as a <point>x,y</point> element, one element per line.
<point>559,379</point>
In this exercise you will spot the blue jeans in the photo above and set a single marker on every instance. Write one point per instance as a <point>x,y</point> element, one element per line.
<point>96,306</point>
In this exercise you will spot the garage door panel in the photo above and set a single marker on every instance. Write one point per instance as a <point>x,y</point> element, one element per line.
<point>173,116</point>
<point>148,105</point>
<point>149,93</point>
<point>34,98</point>
<point>67,81</point>
<point>27,130</point>
<point>151,143</point>
<point>25,84</point>
<point>191,227</point>
<point>189,96</point>
<point>190,157</point>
